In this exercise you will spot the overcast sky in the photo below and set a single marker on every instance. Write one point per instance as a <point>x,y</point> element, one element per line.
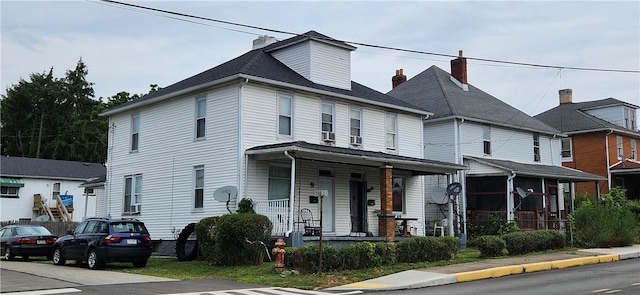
<point>128,49</point>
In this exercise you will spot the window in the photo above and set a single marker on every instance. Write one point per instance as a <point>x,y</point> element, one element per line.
<point>279,182</point>
<point>89,191</point>
<point>620,150</point>
<point>634,151</point>
<point>391,127</point>
<point>566,148</point>
<point>198,202</point>
<point>486,139</point>
<point>630,118</point>
<point>327,117</point>
<point>536,147</point>
<point>9,191</point>
<point>135,132</point>
<point>397,185</point>
<point>201,114</point>
<point>55,192</point>
<point>355,121</point>
<point>132,193</point>
<point>285,113</point>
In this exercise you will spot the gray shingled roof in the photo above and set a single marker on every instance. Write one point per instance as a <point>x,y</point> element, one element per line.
<point>259,63</point>
<point>537,170</point>
<point>570,117</point>
<point>434,91</point>
<point>53,169</point>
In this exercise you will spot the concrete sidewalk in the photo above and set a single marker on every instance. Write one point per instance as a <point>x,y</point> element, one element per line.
<point>491,268</point>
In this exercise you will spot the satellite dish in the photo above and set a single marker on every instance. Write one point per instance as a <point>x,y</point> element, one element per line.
<point>439,195</point>
<point>42,218</point>
<point>454,188</point>
<point>521,192</point>
<point>226,194</point>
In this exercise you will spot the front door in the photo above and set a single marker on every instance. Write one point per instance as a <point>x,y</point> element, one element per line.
<point>358,206</point>
<point>328,211</point>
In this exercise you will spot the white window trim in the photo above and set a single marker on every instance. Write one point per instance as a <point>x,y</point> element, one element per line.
<point>634,149</point>
<point>198,118</point>
<point>359,118</point>
<point>333,115</point>
<point>136,197</point>
<point>570,157</point>
<point>536,147</point>
<point>486,137</point>
<point>619,146</point>
<point>394,117</point>
<point>134,131</point>
<point>279,96</point>
<point>196,187</point>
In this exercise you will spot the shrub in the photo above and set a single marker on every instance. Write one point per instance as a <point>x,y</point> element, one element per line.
<point>311,255</point>
<point>610,223</point>
<point>387,252</point>
<point>206,231</point>
<point>240,239</point>
<point>422,249</point>
<point>245,206</point>
<point>490,246</point>
<point>532,241</point>
<point>360,255</point>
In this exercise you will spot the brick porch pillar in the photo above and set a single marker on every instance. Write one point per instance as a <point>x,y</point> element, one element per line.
<point>386,219</point>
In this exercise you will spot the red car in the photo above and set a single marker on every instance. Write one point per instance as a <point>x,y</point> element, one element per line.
<point>26,241</point>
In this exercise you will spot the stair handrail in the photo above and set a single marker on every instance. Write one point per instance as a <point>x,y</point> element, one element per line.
<point>45,206</point>
<point>64,214</point>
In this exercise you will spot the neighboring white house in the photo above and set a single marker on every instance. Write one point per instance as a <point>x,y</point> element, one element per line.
<point>26,181</point>
<point>503,148</point>
<point>279,124</point>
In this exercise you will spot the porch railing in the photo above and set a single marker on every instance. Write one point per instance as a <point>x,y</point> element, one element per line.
<point>526,220</point>
<point>277,211</point>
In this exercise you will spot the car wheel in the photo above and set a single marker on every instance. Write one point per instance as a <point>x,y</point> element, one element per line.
<point>57,258</point>
<point>140,263</point>
<point>93,261</point>
<point>8,255</point>
<point>25,257</point>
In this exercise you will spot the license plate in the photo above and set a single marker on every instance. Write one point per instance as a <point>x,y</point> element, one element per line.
<point>132,241</point>
<point>41,242</point>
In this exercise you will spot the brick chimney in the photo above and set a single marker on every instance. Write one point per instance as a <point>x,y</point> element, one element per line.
<point>565,96</point>
<point>459,68</point>
<point>263,41</point>
<point>398,79</point>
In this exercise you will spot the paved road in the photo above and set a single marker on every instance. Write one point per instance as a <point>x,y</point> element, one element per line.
<point>34,278</point>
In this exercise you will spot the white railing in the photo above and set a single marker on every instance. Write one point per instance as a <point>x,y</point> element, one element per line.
<point>277,211</point>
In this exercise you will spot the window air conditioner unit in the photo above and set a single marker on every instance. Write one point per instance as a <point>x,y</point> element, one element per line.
<point>356,140</point>
<point>328,136</point>
<point>135,208</point>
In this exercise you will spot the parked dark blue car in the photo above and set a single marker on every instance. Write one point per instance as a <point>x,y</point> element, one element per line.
<point>101,240</point>
<point>26,241</point>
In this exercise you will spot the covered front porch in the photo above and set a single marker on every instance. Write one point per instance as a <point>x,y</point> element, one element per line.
<point>535,196</point>
<point>339,193</point>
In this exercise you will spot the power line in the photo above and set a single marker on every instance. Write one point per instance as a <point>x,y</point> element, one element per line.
<point>368,44</point>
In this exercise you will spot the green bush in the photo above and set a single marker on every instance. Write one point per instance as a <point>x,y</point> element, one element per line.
<point>532,241</point>
<point>497,225</point>
<point>490,246</point>
<point>311,258</point>
<point>245,206</point>
<point>423,249</point>
<point>240,239</point>
<point>610,223</point>
<point>206,231</point>
<point>387,252</point>
<point>360,255</point>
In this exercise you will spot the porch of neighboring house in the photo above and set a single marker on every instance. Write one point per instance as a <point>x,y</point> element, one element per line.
<point>61,211</point>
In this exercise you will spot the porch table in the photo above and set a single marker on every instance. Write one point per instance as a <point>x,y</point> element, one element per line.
<point>405,225</point>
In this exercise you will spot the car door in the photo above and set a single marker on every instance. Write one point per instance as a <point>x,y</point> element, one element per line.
<point>5,233</point>
<point>82,240</point>
<point>72,246</point>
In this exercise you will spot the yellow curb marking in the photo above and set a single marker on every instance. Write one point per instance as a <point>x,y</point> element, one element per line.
<point>536,266</point>
<point>367,285</point>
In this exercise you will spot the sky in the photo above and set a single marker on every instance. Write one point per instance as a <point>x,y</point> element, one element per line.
<point>127,49</point>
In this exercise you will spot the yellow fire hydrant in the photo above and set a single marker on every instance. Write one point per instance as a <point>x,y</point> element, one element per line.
<point>278,252</point>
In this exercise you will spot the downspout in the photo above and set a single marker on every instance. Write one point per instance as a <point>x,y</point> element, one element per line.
<point>241,184</point>
<point>292,188</point>
<point>510,207</point>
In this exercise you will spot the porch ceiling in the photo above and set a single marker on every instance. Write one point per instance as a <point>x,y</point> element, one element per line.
<point>325,153</point>
<point>537,170</point>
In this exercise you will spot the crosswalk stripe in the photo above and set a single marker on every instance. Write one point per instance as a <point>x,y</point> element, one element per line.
<point>263,291</point>
<point>45,292</point>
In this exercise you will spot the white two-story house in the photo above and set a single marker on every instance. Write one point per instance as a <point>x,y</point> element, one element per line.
<point>514,160</point>
<point>283,125</point>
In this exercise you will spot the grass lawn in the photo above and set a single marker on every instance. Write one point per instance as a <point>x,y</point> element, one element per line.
<point>265,273</point>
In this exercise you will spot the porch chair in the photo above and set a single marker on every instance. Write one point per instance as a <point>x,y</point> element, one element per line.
<point>439,225</point>
<point>311,226</point>
<point>357,227</point>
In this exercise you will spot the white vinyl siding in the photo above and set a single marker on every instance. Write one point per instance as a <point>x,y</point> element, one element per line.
<point>440,142</point>
<point>613,114</point>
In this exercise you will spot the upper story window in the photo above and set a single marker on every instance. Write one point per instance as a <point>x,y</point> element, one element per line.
<point>132,193</point>
<point>634,150</point>
<point>89,191</point>
<point>630,118</point>
<point>135,132</point>
<point>486,139</point>
<point>55,191</point>
<point>566,149</point>
<point>279,182</point>
<point>327,117</point>
<point>198,187</point>
<point>285,113</point>
<point>355,125</point>
<point>201,116</point>
<point>391,128</point>
<point>619,147</point>
<point>536,147</point>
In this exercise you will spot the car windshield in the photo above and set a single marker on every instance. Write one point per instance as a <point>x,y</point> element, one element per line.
<point>128,227</point>
<point>32,230</point>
